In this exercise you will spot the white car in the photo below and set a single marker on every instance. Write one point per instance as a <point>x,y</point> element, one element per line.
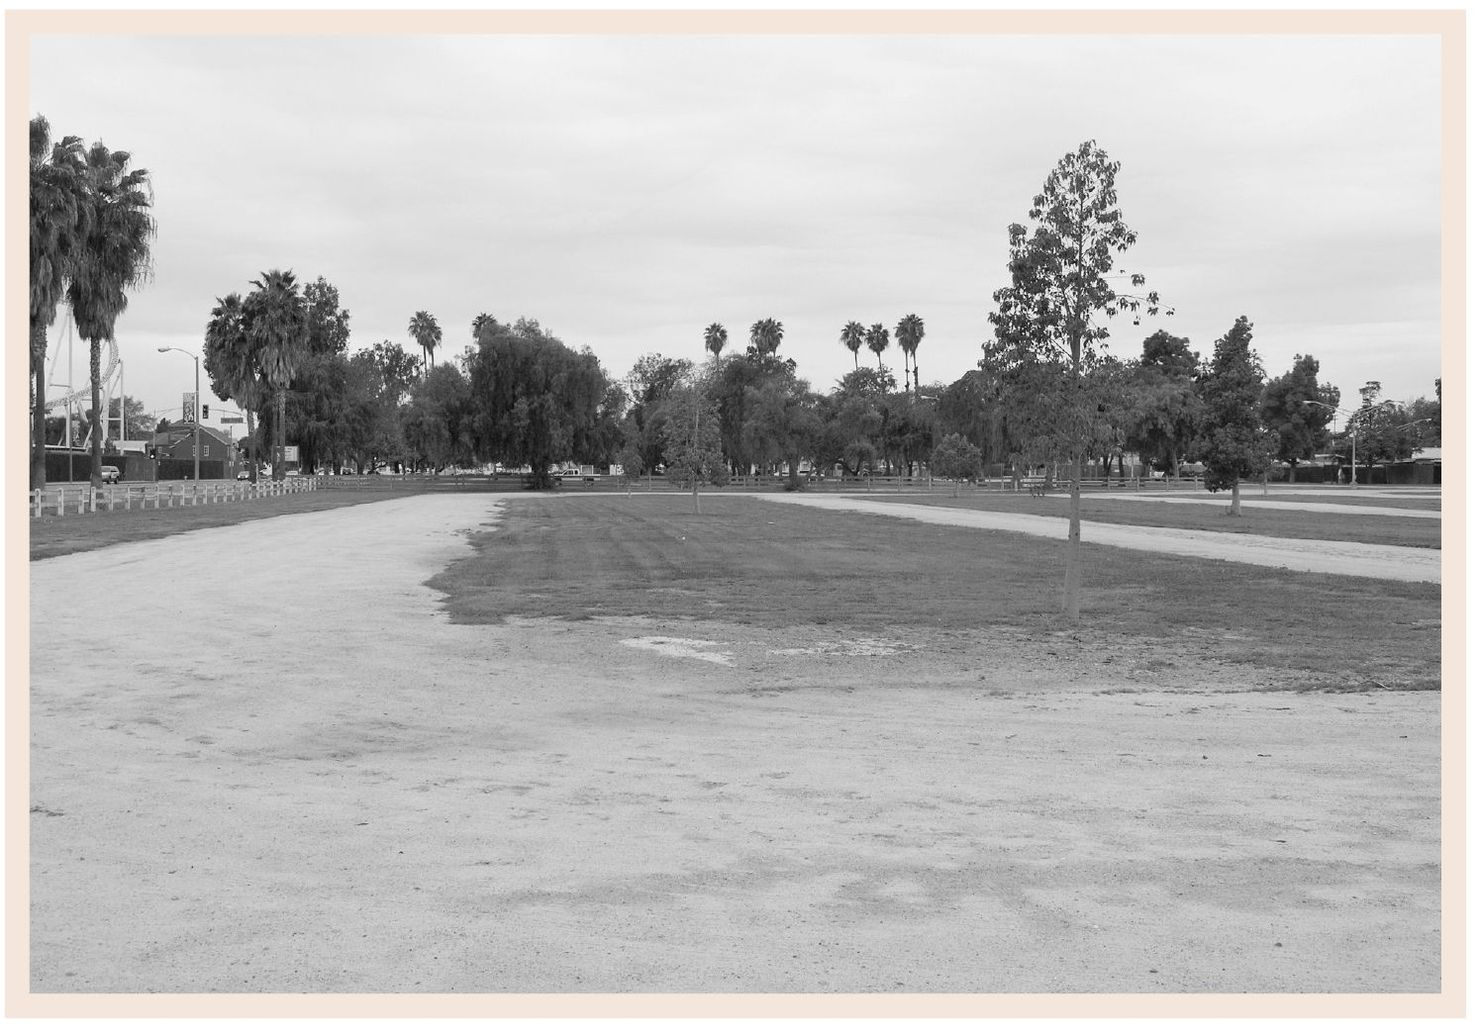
<point>110,474</point>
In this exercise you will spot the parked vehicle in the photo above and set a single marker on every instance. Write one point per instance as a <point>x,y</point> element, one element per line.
<point>243,474</point>
<point>110,474</point>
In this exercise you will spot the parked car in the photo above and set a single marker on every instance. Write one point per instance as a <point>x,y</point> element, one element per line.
<point>243,474</point>
<point>110,474</point>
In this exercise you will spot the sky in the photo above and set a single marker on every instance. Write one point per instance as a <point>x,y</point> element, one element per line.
<point>627,191</point>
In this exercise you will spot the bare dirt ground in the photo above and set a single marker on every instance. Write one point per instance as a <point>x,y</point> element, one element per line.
<point>284,770</point>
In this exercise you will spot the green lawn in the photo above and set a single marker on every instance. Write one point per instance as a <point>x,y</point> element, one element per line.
<point>750,562</point>
<point>1405,531</point>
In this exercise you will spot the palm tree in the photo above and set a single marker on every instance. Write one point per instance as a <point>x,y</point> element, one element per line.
<point>852,337</point>
<point>114,259</point>
<point>425,331</point>
<point>278,330</point>
<point>878,341</point>
<point>766,336</point>
<point>715,337</point>
<point>58,224</point>
<point>231,363</point>
<point>908,331</point>
<point>480,321</point>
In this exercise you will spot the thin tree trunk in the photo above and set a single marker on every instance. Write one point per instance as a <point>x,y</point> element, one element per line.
<point>1072,544</point>
<point>95,373</point>
<point>38,415</point>
<point>252,461</point>
<point>1234,501</point>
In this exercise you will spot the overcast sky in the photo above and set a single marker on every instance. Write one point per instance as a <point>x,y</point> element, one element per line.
<point>628,191</point>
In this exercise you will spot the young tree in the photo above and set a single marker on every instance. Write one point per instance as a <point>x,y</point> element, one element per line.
<point>1300,429</point>
<point>58,228</point>
<point>691,438</point>
<point>1232,443</point>
<point>957,459</point>
<point>1047,317</point>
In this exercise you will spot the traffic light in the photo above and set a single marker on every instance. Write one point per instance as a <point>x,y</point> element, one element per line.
<point>205,411</point>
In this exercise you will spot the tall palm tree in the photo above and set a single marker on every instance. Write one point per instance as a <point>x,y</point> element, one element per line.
<point>481,320</point>
<point>230,359</point>
<point>114,259</point>
<point>852,337</point>
<point>908,331</point>
<point>715,337</point>
<point>59,216</point>
<point>766,336</point>
<point>878,341</point>
<point>425,331</point>
<point>277,325</point>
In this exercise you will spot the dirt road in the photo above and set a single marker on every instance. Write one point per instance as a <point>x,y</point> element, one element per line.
<point>281,769</point>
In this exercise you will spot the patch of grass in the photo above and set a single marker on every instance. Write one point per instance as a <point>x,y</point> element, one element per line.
<point>53,535</point>
<point>750,562</point>
<point>1403,531</point>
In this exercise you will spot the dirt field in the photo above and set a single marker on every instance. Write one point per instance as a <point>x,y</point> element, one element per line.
<point>283,769</point>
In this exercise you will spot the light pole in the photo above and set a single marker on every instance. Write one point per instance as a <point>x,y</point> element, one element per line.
<point>195,415</point>
<point>1352,418</point>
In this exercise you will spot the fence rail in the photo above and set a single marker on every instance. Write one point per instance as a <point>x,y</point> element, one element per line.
<point>71,499</point>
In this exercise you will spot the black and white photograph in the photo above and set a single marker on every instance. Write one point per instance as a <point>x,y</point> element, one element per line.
<point>669,504</point>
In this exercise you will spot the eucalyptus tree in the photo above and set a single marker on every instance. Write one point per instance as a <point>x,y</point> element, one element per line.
<point>878,340</point>
<point>1049,319</point>
<point>278,324</point>
<point>715,338</point>
<point>428,335</point>
<point>852,337</point>
<point>58,223</point>
<point>113,259</point>
<point>908,333</point>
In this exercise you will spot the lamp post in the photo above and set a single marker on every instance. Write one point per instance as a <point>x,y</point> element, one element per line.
<point>1352,417</point>
<point>196,415</point>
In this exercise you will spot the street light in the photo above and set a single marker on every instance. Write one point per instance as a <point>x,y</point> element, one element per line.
<point>196,415</point>
<point>1353,421</point>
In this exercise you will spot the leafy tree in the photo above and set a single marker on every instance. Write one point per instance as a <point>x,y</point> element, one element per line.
<point>1059,288</point>
<point>972,407</point>
<point>908,333</point>
<point>877,338</point>
<point>113,260</point>
<point>328,323</point>
<point>58,228</point>
<point>957,459</point>
<point>650,382</point>
<point>424,330</point>
<point>907,434</point>
<point>437,424</point>
<point>397,368</point>
<point>715,337</point>
<point>276,322</point>
<point>852,337</point>
<point>691,439</point>
<point>536,401</point>
<point>375,383</point>
<point>1232,443</point>
<point>1164,401</point>
<point>781,423</point>
<point>1300,428</point>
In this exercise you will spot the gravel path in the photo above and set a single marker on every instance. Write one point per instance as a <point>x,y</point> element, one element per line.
<point>1344,558</point>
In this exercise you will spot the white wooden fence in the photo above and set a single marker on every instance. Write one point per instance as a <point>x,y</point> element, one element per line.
<point>71,499</point>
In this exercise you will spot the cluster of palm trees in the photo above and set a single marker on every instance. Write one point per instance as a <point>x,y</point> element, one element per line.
<point>423,328</point>
<point>91,226</point>
<point>254,346</point>
<point>908,333</point>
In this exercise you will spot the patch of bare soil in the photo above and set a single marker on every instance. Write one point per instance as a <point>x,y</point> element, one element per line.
<point>333,788</point>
